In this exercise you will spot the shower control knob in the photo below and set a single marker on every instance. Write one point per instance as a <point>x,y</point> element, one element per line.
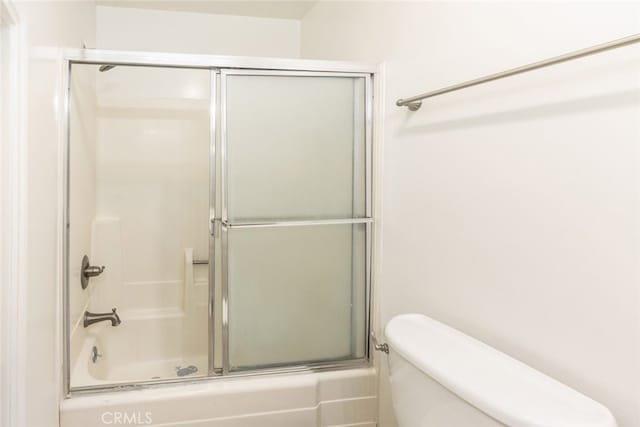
<point>88,271</point>
<point>93,271</point>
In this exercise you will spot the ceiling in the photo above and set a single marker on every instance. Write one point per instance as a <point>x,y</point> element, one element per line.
<point>295,9</point>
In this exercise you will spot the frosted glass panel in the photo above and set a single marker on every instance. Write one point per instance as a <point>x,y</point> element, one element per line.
<point>296,294</point>
<point>295,147</point>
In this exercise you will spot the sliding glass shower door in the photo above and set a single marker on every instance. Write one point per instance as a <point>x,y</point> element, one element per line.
<point>295,217</point>
<point>217,221</point>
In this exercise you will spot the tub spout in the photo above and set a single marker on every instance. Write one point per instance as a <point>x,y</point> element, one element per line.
<point>91,318</point>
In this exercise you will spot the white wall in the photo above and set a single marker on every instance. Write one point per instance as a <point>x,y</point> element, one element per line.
<point>11,177</point>
<point>510,210</point>
<point>171,31</point>
<point>48,26</point>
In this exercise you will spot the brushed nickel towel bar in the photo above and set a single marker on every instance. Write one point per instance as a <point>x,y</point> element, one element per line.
<point>415,102</point>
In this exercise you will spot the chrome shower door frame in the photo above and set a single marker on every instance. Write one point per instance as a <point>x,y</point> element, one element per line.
<point>227,225</point>
<point>217,66</point>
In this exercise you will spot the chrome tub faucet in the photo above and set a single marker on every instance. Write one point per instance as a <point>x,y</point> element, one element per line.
<point>91,318</point>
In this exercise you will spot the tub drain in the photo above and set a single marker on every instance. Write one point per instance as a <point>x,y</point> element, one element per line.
<point>187,370</point>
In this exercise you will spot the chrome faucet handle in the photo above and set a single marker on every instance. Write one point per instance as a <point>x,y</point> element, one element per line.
<point>93,270</point>
<point>87,271</point>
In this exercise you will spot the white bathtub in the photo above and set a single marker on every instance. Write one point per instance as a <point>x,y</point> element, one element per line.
<point>144,347</point>
<point>338,398</point>
<point>152,342</point>
<point>140,348</point>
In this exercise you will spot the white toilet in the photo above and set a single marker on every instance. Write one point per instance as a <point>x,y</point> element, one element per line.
<point>441,377</point>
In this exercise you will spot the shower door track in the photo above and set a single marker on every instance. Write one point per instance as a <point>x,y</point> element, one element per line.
<point>215,64</point>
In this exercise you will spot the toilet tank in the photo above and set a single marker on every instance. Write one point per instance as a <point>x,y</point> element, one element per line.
<point>443,378</point>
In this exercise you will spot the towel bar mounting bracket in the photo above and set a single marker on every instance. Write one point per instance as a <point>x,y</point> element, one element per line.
<point>384,347</point>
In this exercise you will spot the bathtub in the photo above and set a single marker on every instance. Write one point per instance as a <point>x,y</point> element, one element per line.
<point>170,332</point>
<point>335,398</point>
<point>139,349</point>
<point>147,346</point>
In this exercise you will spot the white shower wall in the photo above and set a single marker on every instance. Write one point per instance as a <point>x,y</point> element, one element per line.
<point>152,175</point>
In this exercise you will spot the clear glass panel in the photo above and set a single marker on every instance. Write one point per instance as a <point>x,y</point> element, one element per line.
<point>295,147</point>
<point>296,294</point>
<point>139,205</point>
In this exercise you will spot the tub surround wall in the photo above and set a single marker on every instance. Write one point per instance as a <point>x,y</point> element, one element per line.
<point>82,204</point>
<point>510,209</point>
<point>107,250</point>
<point>153,169</point>
<point>135,298</point>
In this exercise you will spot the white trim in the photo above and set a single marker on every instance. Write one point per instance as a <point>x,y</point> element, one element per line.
<point>12,194</point>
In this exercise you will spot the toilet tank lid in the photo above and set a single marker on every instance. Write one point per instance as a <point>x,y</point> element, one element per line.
<point>499,385</point>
